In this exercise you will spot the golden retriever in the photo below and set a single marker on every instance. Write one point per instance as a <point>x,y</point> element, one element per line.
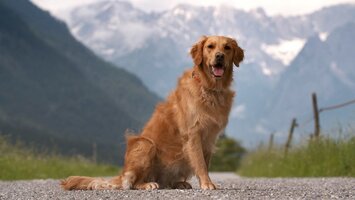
<point>178,140</point>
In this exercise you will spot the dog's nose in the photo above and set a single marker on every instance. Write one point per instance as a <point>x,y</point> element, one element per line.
<point>219,57</point>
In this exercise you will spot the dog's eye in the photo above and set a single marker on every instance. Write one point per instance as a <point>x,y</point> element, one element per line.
<point>227,48</point>
<point>210,46</point>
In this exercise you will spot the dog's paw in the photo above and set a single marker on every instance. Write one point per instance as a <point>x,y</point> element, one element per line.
<point>208,186</point>
<point>182,185</point>
<point>151,186</point>
<point>148,186</point>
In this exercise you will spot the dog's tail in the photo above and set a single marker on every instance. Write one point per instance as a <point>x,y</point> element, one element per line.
<point>89,183</point>
<point>124,181</point>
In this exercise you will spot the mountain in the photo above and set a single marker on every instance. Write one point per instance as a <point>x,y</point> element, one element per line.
<point>325,67</point>
<point>56,93</point>
<point>154,46</point>
<point>133,38</point>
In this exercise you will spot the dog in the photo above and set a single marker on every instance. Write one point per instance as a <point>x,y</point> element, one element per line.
<point>179,139</point>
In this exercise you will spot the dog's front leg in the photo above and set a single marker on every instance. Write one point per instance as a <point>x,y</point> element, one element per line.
<point>197,160</point>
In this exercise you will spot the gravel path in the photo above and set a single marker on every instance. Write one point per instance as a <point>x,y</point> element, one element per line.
<point>231,187</point>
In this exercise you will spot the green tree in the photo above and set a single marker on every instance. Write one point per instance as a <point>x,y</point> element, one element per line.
<point>228,155</point>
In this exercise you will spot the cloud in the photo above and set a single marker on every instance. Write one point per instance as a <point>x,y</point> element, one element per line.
<point>238,112</point>
<point>272,7</point>
<point>260,129</point>
<point>55,5</point>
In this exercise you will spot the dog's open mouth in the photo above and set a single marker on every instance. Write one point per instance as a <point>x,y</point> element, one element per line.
<point>218,70</point>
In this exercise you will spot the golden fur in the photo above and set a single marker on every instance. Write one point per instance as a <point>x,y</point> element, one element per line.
<point>178,140</point>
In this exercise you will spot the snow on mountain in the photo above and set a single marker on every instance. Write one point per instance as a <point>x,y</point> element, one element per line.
<point>284,51</point>
<point>117,31</point>
<point>323,36</point>
<point>110,28</point>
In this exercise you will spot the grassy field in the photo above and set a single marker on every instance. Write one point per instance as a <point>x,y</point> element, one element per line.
<point>325,157</point>
<point>18,162</point>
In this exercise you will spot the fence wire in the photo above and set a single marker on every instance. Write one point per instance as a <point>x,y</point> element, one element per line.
<point>310,119</point>
<point>337,106</point>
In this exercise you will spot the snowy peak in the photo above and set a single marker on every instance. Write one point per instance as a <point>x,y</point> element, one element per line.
<point>285,50</point>
<point>106,11</point>
<point>110,28</point>
<point>118,31</point>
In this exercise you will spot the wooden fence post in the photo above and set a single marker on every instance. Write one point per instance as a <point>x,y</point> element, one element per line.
<point>271,142</point>
<point>290,134</point>
<point>316,116</point>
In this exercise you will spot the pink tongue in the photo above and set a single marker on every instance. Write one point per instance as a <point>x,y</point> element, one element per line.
<point>218,71</point>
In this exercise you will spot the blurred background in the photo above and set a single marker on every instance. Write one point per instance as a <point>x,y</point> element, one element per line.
<point>74,75</point>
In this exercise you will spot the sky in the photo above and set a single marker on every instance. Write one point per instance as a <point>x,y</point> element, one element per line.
<point>272,7</point>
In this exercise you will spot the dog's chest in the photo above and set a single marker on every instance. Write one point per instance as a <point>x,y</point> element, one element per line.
<point>213,109</point>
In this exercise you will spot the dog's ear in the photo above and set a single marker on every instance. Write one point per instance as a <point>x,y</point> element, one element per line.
<point>238,53</point>
<point>196,51</point>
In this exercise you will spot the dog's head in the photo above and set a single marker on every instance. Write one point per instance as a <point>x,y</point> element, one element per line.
<point>214,56</point>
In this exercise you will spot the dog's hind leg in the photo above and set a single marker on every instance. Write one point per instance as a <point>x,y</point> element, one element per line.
<point>139,160</point>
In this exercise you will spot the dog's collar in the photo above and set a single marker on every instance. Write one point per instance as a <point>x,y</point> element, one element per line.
<point>195,76</point>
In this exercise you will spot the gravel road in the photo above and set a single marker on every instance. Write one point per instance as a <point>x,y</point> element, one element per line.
<point>230,187</point>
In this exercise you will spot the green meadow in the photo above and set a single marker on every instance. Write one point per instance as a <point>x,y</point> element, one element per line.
<point>18,162</point>
<point>325,157</point>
